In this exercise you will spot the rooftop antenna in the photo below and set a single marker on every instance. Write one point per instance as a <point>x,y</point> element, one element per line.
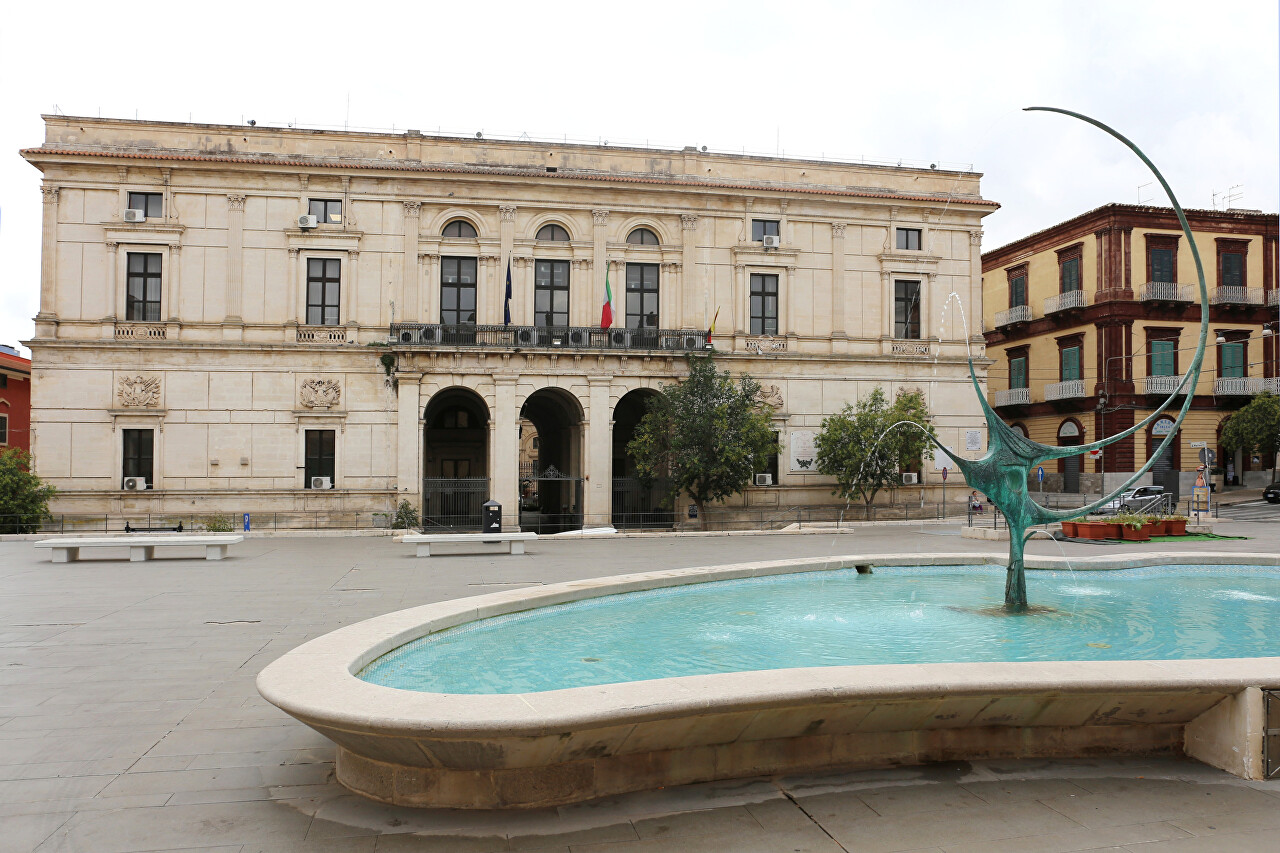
<point>1141,187</point>
<point>1234,194</point>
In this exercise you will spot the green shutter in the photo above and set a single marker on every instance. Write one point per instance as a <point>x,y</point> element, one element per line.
<point>1162,353</point>
<point>1018,373</point>
<point>1162,265</point>
<point>1233,359</point>
<point>1070,364</point>
<point>1019,292</point>
<point>1071,275</point>
<point>1232,270</point>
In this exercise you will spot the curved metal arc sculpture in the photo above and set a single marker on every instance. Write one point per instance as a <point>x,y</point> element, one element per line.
<point>1002,474</point>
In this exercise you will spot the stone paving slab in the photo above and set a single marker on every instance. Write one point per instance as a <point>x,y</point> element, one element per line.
<point>129,722</point>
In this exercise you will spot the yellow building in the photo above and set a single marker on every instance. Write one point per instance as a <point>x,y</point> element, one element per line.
<point>1092,323</point>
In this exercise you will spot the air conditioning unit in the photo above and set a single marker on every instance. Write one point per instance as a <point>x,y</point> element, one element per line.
<point>135,484</point>
<point>132,215</point>
<point>772,241</point>
<point>524,336</point>
<point>692,342</point>
<point>620,338</point>
<point>910,479</point>
<point>307,222</point>
<point>764,479</point>
<point>321,483</point>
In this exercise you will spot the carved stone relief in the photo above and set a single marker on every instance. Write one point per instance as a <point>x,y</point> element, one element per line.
<point>771,395</point>
<point>320,393</point>
<point>139,392</point>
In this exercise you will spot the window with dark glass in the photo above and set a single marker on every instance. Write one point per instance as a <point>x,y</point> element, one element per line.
<point>551,292</point>
<point>1069,275</point>
<point>764,304</point>
<point>323,291</point>
<point>151,204</point>
<point>553,232</point>
<point>327,211</point>
<point>319,457</point>
<point>1232,274</point>
<point>139,455</point>
<point>906,309</point>
<point>460,228</point>
<point>761,228</point>
<point>1018,372</point>
<point>1018,291</point>
<point>457,291</point>
<point>642,296</point>
<point>142,288</point>
<point>908,238</point>
<point>1161,265</point>
<point>642,237</point>
<point>1163,358</point>
<point>1070,363</point>
<point>1233,359</point>
<point>4,429</point>
<point>769,464</point>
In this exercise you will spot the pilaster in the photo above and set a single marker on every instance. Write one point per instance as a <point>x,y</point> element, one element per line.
<point>593,312</point>
<point>504,451</point>
<point>599,463</point>
<point>49,255</point>
<point>409,437</point>
<point>235,262</point>
<point>409,285</point>
<point>686,307</point>
<point>837,280</point>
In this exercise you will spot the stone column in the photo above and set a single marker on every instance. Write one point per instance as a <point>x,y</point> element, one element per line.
<point>347,294</point>
<point>926,305</point>
<point>409,307</point>
<point>785,303</point>
<point>113,279</point>
<point>175,282</point>
<point>431,291</point>
<point>504,451</point>
<point>886,303</point>
<point>488,300</point>
<point>600,265</point>
<point>740,309</point>
<point>837,280</point>
<point>409,438</point>
<point>507,237</point>
<point>49,256</point>
<point>296,307</point>
<point>686,313</point>
<point>234,295</point>
<point>973,309</point>
<point>598,498</point>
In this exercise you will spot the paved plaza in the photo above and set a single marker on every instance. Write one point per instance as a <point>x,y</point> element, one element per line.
<point>129,720</point>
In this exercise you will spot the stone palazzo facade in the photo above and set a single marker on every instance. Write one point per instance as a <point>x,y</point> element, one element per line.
<point>250,319</point>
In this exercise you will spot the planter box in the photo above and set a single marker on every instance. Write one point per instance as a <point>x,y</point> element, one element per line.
<point>1069,529</point>
<point>1176,528</point>
<point>1155,528</point>
<point>1131,535</point>
<point>1094,530</point>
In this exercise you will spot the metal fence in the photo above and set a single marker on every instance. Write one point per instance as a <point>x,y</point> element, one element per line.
<point>108,523</point>
<point>551,337</point>
<point>453,503</point>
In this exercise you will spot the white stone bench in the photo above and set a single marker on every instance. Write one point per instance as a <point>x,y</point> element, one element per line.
<point>424,541</point>
<point>67,549</point>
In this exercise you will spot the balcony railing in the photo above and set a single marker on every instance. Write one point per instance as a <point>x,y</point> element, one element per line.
<point>1167,291</point>
<point>549,337</point>
<point>1161,384</point>
<point>1273,297</point>
<point>1011,397</point>
<point>1064,301</point>
<point>1068,390</point>
<point>140,332</point>
<point>1245,386</point>
<point>1016,314</point>
<point>1235,296</point>
<point>322,335</point>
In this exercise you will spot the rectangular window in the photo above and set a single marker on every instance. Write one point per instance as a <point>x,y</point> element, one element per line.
<point>139,455</point>
<point>142,290</point>
<point>761,228</point>
<point>1069,275</point>
<point>319,456</point>
<point>642,296</point>
<point>1070,363</point>
<point>908,238</point>
<point>324,283</point>
<point>151,204</point>
<point>764,304</point>
<point>1018,372</point>
<point>769,465</point>
<point>1233,359</point>
<point>4,429</point>
<point>327,211</point>
<point>551,293</point>
<point>1018,291</point>
<point>1162,265</point>
<point>457,291</point>
<point>1232,274</point>
<point>1163,358</point>
<point>906,309</point>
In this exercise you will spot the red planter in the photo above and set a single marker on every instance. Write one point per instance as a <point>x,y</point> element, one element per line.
<point>1176,527</point>
<point>1069,529</point>
<point>1094,529</point>
<point>1131,535</point>
<point>1155,528</point>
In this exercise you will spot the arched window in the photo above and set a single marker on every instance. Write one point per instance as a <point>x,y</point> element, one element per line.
<point>553,232</point>
<point>1020,428</point>
<point>643,237</point>
<point>460,228</point>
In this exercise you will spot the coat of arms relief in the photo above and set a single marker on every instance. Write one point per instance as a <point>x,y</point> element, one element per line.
<point>139,392</point>
<point>320,393</point>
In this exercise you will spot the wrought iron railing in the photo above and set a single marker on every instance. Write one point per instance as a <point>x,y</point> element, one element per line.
<point>1273,297</point>
<point>1235,296</point>
<point>1011,397</point>
<point>1068,390</point>
<point>1161,384</point>
<point>1016,314</point>
<point>1064,301</point>
<point>548,337</point>
<point>1235,386</point>
<point>1167,291</point>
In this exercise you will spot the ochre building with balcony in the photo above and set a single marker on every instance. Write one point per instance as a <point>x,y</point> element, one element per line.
<point>277,319</point>
<point>1092,323</point>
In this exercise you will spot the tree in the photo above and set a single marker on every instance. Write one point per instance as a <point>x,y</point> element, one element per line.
<point>1255,429</point>
<point>706,433</point>
<point>24,497</point>
<point>858,448</point>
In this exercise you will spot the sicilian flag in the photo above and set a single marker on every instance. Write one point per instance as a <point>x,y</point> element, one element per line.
<point>606,312</point>
<point>506,308</point>
<point>712,328</point>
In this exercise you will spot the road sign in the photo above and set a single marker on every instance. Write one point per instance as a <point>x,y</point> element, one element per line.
<point>1040,474</point>
<point>1094,454</point>
<point>1198,444</point>
<point>944,475</point>
<point>1206,456</point>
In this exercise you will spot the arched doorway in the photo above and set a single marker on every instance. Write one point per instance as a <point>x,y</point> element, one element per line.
<point>636,503</point>
<point>1165,470</point>
<point>551,490</point>
<point>455,460</point>
<point>1070,434</point>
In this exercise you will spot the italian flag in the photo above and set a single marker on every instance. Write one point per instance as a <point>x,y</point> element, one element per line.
<point>606,311</point>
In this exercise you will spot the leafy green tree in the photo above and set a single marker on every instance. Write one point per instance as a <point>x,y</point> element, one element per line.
<point>858,448</point>
<point>1255,429</point>
<point>705,433</point>
<point>24,497</point>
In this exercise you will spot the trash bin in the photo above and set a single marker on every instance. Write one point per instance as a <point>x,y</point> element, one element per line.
<point>492,513</point>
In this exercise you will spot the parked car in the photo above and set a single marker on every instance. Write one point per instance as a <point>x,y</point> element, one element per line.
<point>1271,494</point>
<point>1133,499</point>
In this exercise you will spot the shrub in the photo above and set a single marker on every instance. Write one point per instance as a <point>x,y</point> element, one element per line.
<point>219,523</point>
<point>406,517</point>
<point>24,497</point>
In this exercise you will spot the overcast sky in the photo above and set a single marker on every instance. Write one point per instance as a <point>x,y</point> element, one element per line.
<point>1196,85</point>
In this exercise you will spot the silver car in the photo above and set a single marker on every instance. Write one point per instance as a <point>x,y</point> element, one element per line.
<point>1133,499</point>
